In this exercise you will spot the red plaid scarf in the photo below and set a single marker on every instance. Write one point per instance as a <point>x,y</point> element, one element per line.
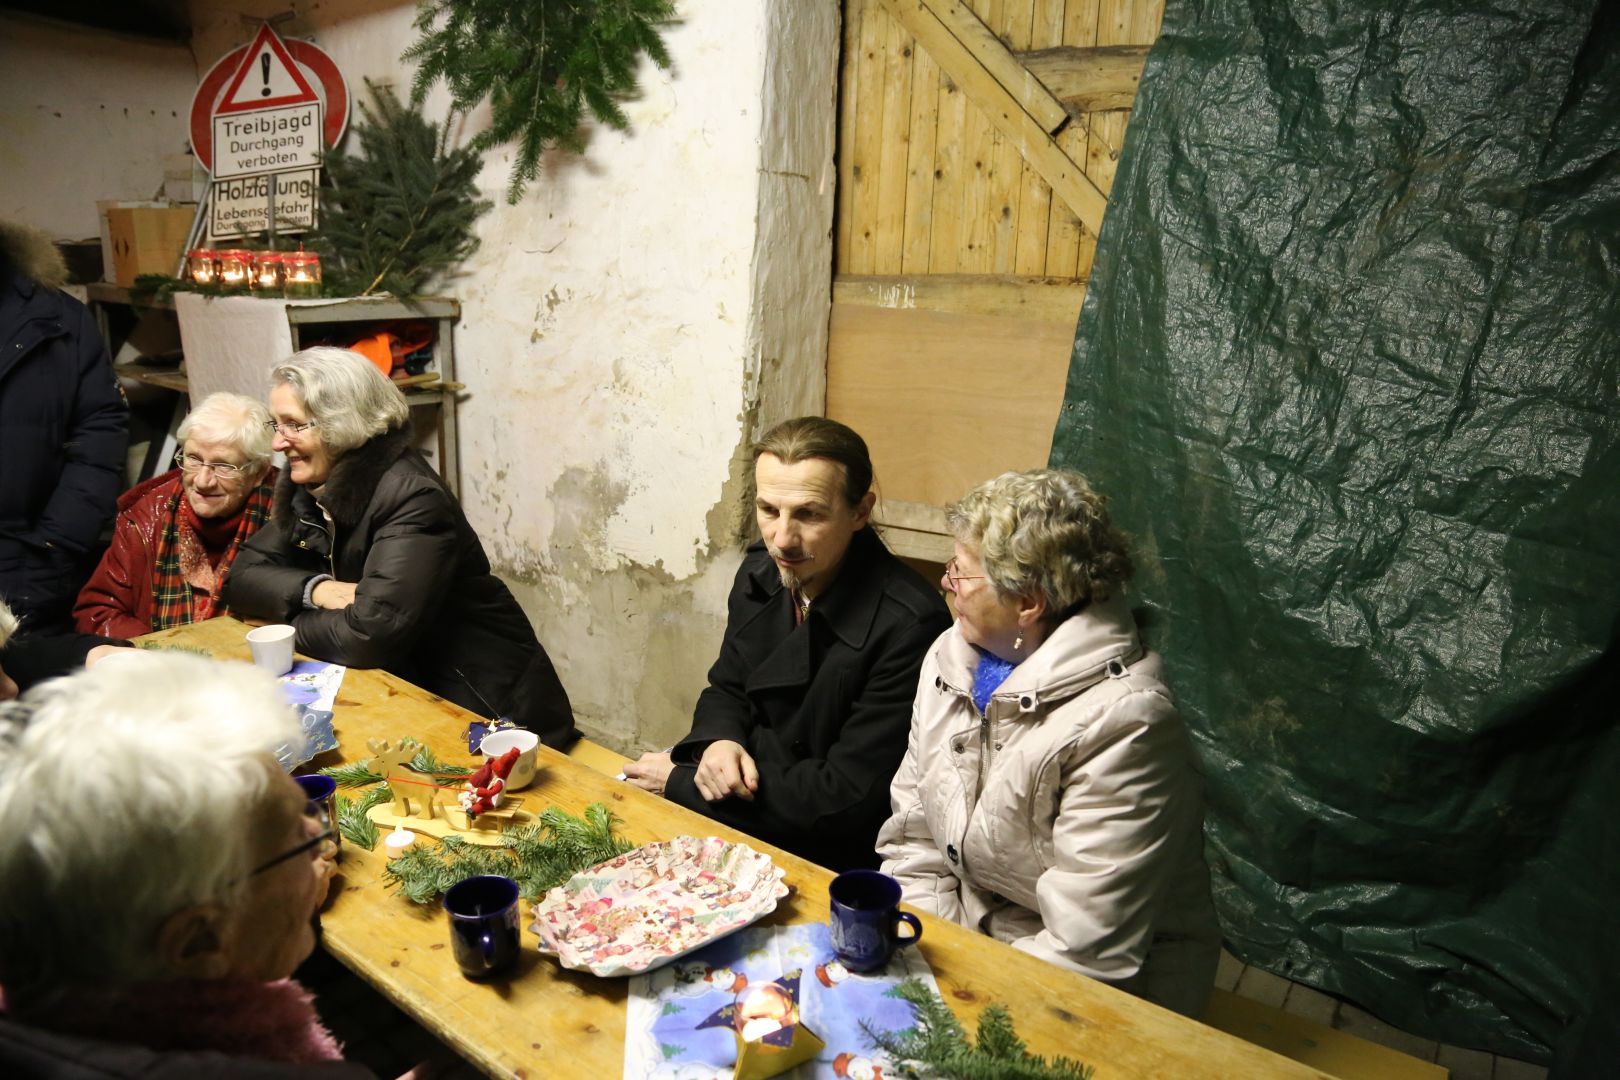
<point>172,604</point>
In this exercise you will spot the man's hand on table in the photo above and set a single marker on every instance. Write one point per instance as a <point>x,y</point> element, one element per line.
<point>333,595</point>
<point>650,772</point>
<point>727,769</point>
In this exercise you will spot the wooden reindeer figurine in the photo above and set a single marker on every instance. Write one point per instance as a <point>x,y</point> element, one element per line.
<point>403,784</point>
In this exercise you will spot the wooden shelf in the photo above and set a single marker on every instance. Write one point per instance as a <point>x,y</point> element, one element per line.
<point>316,309</point>
<point>322,311</point>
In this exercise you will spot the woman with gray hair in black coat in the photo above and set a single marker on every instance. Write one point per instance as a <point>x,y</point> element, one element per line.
<point>370,558</point>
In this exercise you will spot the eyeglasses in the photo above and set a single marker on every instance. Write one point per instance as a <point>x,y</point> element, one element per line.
<point>289,430</point>
<point>954,578</point>
<point>316,811</point>
<point>222,469</point>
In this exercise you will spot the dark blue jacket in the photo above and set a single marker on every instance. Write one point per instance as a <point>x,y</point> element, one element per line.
<point>63,432</point>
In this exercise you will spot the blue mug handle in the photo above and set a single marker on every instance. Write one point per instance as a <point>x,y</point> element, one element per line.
<point>910,920</point>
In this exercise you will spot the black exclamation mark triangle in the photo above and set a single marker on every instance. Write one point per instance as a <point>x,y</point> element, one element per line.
<point>264,69</point>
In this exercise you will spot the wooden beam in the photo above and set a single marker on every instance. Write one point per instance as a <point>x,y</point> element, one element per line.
<point>991,52</point>
<point>1089,80</point>
<point>1040,299</point>
<point>965,66</point>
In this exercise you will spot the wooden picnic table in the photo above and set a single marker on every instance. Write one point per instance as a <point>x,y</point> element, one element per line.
<point>546,1021</point>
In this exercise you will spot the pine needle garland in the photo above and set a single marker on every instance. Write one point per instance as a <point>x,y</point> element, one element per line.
<point>540,856</point>
<point>939,1046</point>
<point>401,215</point>
<point>541,64</point>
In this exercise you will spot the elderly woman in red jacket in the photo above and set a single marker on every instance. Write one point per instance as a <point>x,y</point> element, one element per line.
<point>177,534</point>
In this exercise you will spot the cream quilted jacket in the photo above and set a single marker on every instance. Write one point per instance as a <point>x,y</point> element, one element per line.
<point>1067,819</point>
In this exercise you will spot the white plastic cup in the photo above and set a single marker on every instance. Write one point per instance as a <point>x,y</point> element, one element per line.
<point>527,742</point>
<point>272,647</point>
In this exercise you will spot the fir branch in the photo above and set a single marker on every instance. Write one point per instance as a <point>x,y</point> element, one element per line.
<point>401,214</point>
<point>540,855</point>
<point>938,1045</point>
<point>541,65</point>
<point>428,763</point>
<point>352,822</point>
<point>152,646</point>
<point>352,775</point>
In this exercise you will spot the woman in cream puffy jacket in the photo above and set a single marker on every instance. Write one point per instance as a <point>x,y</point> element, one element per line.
<point>1047,796</point>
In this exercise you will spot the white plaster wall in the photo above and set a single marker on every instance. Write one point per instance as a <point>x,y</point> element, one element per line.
<point>85,115</point>
<point>628,328</point>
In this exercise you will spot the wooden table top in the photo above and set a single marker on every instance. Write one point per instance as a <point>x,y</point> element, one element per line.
<point>542,1016</point>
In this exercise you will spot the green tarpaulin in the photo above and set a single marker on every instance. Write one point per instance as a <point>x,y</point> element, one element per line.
<point>1347,368</point>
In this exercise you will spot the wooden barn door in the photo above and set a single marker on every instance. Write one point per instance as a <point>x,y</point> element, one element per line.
<point>977,145</point>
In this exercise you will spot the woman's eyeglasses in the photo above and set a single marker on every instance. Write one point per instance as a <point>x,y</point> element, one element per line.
<point>953,577</point>
<point>223,469</point>
<point>288,430</point>
<point>314,810</point>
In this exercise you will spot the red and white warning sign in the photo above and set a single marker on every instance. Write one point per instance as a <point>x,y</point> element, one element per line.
<point>260,120</point>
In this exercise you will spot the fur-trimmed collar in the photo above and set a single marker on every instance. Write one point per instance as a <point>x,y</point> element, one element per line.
<point>269,1021</point>
<point>30,253</point>
<point>353,479</point>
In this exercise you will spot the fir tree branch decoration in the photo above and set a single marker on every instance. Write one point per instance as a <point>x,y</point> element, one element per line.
<point>401,215</point>
<point>540,64</point>
<point>352,822</point>
<point>540,856</point>
<point>428,763</point>
<point>939,1045</point>
<point>352,775</point>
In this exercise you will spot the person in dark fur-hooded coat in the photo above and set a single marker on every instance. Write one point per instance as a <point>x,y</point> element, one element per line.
<point>369,556</point>
<point>63,430</point>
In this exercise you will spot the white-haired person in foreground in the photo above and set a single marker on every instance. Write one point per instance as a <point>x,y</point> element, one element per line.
<point>176,534</point>
<point>159,874</point>
<point>369,557</point>
<point>1047,797</point>
<point>26,660</point>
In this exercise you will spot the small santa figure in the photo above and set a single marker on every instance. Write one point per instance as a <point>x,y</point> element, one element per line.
<point>856,1068</point>
<point>484,787</point>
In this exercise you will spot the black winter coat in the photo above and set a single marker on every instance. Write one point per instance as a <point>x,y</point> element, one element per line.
<point>824,707</point>
<point>426,607</point>
<point>63,430</point>
<point>30,660</point>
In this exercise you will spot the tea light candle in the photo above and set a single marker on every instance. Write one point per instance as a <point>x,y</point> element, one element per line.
<point>267,271</point>
<point>234,267</point>
<point>399,841</point>
<point>200,261</point>
<point>302,274</point>
<point>764,1010</point>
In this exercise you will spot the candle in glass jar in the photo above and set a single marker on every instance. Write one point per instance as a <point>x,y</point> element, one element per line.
<point>302,273</point>
<point>235,265</point>
<point>267,268</point>
<point>200,264</point>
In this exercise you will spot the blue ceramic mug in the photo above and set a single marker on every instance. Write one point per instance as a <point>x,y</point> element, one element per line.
<point>866,919</point>
<point>322,791</point>
<point>484,924</point>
